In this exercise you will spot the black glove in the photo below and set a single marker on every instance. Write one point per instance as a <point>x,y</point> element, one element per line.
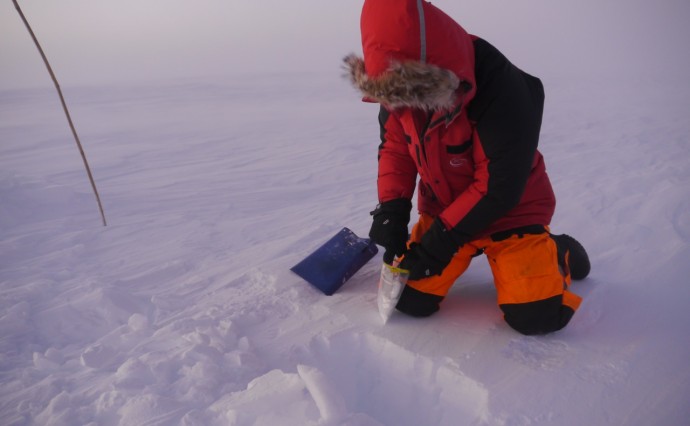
<point>431,255</point>
<point>390,227</point>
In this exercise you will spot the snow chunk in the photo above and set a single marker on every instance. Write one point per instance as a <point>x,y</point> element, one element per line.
<point>97,356</point>
<point>138,323</point>
<point>329,401</point>
<point>133,374</point>
<point>269,400</point>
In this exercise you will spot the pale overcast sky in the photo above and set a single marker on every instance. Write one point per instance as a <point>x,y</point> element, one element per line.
<point>99,41</point>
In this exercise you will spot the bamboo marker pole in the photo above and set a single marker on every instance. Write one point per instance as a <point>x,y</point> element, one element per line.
<point>64,107</point>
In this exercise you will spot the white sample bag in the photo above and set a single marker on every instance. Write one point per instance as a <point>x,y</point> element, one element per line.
<point>391,284</point>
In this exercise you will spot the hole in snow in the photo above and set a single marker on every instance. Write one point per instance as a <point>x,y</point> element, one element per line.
<point>378,378</point>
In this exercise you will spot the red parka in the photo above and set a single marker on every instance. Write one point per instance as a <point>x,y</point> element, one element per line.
<point>455,113</point>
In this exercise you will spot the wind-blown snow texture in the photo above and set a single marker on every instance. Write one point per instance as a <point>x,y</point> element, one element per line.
<point>183,310</point>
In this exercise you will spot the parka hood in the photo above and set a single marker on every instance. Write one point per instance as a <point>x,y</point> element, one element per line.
<point>414,56</point>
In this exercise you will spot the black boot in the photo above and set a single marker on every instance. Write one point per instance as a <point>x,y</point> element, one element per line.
<point>578,260</point>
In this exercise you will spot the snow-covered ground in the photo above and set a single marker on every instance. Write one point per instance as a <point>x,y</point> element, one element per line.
<point>183,309</point>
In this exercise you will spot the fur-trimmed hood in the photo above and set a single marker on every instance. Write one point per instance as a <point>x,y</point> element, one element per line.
<point>414,56</point>
<point>407,84</point>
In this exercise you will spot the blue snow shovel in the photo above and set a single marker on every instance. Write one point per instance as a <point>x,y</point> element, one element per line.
<point>336,261</point>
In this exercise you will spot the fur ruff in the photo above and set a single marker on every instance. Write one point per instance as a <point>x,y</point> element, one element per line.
<point>406,84</point>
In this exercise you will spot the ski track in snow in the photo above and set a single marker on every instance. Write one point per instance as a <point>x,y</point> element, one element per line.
<point>183,310</point>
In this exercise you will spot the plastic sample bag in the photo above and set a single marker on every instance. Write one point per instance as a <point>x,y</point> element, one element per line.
<point>391,284</point>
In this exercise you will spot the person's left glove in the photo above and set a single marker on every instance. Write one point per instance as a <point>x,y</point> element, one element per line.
<point>390,227</point>
<point>432,254</point>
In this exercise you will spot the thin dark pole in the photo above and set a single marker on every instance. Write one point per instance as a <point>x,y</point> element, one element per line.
<point>64,107</point>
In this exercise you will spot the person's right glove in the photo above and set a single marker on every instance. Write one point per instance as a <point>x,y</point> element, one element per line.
<point>432,254</point>
<point>389,229</point>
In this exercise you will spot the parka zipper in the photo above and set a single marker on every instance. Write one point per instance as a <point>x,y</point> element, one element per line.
<point>422,137</point>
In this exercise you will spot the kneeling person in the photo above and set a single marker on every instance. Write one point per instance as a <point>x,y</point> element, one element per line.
<point>458,115</point>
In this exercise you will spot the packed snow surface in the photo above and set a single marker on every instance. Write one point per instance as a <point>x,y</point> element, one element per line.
<point>183,309</point>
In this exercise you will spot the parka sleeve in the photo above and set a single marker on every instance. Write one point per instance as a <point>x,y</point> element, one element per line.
<point>397,172</point>
<point>507,112</point>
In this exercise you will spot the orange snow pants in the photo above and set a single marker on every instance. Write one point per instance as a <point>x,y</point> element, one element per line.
<point>530,275</point>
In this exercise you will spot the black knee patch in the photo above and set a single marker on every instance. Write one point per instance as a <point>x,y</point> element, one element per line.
<point>540,317</point>
<point>418,304</point>
<point>578,264</point>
